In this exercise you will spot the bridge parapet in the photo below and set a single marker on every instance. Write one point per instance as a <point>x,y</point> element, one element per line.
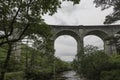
<point>109,30</point>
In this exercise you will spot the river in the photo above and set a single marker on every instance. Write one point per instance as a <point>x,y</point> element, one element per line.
<point>68,75</point>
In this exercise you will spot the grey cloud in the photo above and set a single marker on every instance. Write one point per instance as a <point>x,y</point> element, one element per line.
<point>67,7</point>
<point>78,15</point>
<point>66,54</point>
<point>59,20</point>
<point>94,40</point>
<point>67,41</point>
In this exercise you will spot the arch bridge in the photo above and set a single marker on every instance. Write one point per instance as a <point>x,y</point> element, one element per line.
<point>79,32</point>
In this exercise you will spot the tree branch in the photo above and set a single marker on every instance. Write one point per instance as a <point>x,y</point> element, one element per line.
<point>11,25</point>
<point>15,40</point>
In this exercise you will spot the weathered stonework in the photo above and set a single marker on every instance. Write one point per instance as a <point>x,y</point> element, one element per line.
<point>79,32</point>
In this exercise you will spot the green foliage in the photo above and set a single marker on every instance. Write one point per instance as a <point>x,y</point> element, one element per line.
<point>115,58</point>
<point>110,75</point>
<point>14,76</point>
<point>2,56</point>
<point>113,17</point>
<point>34,64</point>
<point>41,65</point>
<point>114,71</point>
<point>89,49</point>
<point>20,18</point>
<point>91,65</point>
<point>37,74</point>
<point>75,65</point>
<point>115,62</point>
<point>61,66</point>
<point>97,65</point>
<point>14,65</point>
<point>18,13</point>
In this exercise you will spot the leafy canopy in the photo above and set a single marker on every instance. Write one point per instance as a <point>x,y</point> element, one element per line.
<point>25,14</point>
<point>104,4</point>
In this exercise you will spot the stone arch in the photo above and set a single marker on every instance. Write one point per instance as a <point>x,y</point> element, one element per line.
<point>67,32</point>
<point>102,31</point>
<point>108,48</point>
<point>70,33</point>
<point>103,35</point>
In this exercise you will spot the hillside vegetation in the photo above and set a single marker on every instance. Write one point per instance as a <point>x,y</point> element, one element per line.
<point>32,65</point>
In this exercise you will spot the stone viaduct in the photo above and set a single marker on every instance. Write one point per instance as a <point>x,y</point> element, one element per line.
<point>79,32</point>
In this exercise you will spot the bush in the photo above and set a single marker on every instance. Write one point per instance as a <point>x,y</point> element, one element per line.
<point>91,65</point>
<point>14,76</point>
<point>100,66</point>
<point>110,75</point>
<point>41,74</point>
<point>96,65</point>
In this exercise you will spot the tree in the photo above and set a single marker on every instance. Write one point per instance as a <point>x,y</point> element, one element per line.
<point>104,4</point>
<point>111,18</point>
<point>89,49</point>
<point>96,65</point>
<point>91,63</point>
<point>18,17</point>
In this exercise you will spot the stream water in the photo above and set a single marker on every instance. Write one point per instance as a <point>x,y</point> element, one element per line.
<point>68,75</point>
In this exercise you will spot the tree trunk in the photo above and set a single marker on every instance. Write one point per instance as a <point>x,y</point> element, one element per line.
<point>4,68</point>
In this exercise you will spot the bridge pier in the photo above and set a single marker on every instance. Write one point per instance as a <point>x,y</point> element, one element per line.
<point>50,47</point>
<point>16,50</point>
<point>52,50</point>
<point>80,47</point>
<point>110,48</point>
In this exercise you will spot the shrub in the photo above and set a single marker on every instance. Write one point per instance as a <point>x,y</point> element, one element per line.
<point>91,65</point>
<point>14,76</point>
<point>110,75</point>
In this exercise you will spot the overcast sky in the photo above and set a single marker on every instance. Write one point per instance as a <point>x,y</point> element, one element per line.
<point>84,13</point>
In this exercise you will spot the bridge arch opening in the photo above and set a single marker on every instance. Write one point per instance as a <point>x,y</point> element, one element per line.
<point>67,32</point>
<point>96,38</point>
<point>65,48</point>
<point>65,44</point>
